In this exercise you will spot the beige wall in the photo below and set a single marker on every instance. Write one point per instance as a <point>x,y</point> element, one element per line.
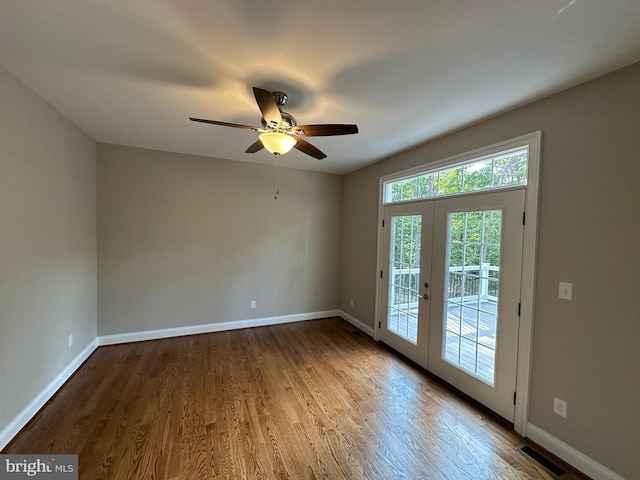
<point>586,351</point>
<point>47,244</point>
<point>186,240</point>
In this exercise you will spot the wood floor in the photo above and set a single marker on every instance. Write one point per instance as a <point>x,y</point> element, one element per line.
<point>302,401</point>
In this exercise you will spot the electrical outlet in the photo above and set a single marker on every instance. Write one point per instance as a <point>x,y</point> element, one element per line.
<point>565,291</point>
<point>351,302</point>
<point>254,304</point>
<point>559,407</point>
<point>70,339</point>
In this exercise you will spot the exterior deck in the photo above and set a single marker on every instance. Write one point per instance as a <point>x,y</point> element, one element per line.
<point>470,334</point>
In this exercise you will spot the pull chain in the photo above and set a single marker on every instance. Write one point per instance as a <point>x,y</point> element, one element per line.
<point>277,177</point>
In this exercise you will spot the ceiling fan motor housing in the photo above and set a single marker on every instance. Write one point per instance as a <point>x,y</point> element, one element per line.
<point>288,121</point>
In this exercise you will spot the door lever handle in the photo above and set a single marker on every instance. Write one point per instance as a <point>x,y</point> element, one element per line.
<point>424,296</point>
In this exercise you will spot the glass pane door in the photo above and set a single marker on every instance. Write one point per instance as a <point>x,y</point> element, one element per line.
<point>464,325</point>
<point>405,279</point>
<point>477,261</point>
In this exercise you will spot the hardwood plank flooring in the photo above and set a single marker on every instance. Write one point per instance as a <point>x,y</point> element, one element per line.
<point>304,400</point>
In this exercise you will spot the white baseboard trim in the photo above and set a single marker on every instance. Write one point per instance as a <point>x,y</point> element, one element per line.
<point>27,413</point>
<point>570,455</point>
<point>357,323</point>
<point>211,327</point>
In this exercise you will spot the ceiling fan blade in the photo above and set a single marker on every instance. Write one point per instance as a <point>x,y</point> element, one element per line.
<point>268,107</point>
<point>224,124</point>
<point>255,147</point>
<point>306,147</point>
<point>324,130</point>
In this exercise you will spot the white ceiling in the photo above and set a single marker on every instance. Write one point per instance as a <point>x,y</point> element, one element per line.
<point>131,72</point>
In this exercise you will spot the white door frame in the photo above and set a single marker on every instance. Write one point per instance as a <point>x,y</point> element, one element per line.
<point>529,255</point>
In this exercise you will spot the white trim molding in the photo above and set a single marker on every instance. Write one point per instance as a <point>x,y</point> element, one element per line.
<point>570,455</point>
<point>357,323</point>
<point>528,286</point>
<point>28,412</point>
<point>212,327</point>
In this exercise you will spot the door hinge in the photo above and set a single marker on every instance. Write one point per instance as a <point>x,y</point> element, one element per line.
<point>514,397</point>
<point>379,324</point>
<point>383,223</point>
<point>524,216</point>
<point>380,273</point>
<point>519,307</point>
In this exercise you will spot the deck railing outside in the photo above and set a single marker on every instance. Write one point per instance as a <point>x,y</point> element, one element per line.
<point>470,318</point>
<point>466,284</point>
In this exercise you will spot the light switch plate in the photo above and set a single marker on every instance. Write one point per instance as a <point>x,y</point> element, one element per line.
<point>565,291</point>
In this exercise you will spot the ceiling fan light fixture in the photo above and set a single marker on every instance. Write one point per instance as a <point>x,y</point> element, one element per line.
<point>277,143</point>
<point>280,131</point>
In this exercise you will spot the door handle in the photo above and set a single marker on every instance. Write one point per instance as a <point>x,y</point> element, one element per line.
<point>424,296</point>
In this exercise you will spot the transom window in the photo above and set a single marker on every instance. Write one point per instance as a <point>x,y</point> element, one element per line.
<point>499,170</point>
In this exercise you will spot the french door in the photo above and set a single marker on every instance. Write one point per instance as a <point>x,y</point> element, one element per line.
<point>451,290</point>
<point>407,243</point>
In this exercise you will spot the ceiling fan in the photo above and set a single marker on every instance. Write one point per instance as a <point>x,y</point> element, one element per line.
<point>280,132</point>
